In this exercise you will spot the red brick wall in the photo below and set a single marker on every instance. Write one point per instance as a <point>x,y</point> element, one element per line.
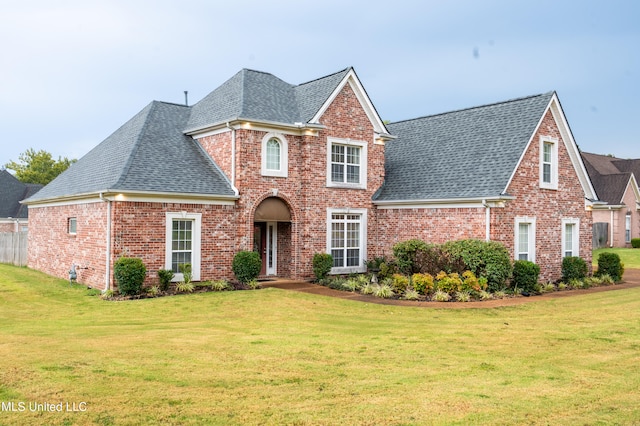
<point>53,250</point>
<point>548,206</point>
<point>432,225</point>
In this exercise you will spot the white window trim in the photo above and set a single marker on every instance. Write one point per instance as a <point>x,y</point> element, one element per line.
<point>363,239</point>
<point>284,156</point>
<point>627,227</point>
<point>554,162</point>
<point>575,236</point>
<point>363,163</point>
<point>75,222</point>
<point>196,243</point>
<point>532,237</point>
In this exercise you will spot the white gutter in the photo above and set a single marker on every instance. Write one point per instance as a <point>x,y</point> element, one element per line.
<point>445,202</point>
<point>108,250</point>
<point>233,157</point>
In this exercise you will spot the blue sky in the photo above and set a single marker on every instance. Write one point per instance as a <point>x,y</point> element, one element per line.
<point>72,72</point>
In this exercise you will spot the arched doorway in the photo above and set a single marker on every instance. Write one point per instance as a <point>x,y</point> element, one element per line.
<point>272,236</point>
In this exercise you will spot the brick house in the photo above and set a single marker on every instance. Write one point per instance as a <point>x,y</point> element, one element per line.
<point>13,215</point>
<point>615,182</point>
<point>293,170</point>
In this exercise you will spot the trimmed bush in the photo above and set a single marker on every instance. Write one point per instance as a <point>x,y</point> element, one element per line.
<point>165,276</point>
<point>610,264</point>
<point>448,283</point>
<point>422,283</point>
<point>129,273</point>
<point>488,259</point>
<point>635,242</point>
<point>405,254</point>
<point>525,275</point>
<point>322,264</point>
<point>574,267</point>
<point>246,266</point>
<point>399,283</point>
<point>471,283</point>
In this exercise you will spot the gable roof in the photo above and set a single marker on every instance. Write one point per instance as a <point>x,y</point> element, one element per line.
<point>149,153</point>
<point>260,96</point>
<point>12,191</point>
<point>469,153</point>
<point>611,176</point>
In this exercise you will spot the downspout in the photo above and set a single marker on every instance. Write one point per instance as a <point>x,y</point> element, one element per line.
<point>487,220</point>
<point>107,278</point>
<point>611,232</point>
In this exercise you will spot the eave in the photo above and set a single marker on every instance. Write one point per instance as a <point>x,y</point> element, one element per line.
<point>252,124</point>
<point>470,202</point>
<point>134,196</point>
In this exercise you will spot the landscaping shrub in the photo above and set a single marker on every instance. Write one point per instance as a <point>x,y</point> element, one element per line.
<point>488,259</point>
<point>433,259</point>
<point>165,276</point>
<point>405,254</point>
<point>129,273</point>
<point>246,266</point>
<point>525,275</point>
<point>399,283</point>
<point>610,264</point>
<point>382,266</point>
<point>574,267</point>
<point>448,283</point>
<point>471,283</point>
<point>422,283</point>
<point>635,242</point>
<point>322,264</point>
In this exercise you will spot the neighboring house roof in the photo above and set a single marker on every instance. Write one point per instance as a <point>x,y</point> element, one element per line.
<point>260,96</point>
<point>150,153</point>
<point>460,154</point>
<point>611,176</point>
<point>12,191</point>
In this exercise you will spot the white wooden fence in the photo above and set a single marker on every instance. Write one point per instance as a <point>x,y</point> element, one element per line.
<point>13,248</point>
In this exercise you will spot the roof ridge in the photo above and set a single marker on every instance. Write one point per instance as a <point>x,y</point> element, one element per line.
<point>322,78</point>
<point>475,107</point>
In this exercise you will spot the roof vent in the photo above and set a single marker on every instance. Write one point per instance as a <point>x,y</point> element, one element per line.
<point>186,97</point>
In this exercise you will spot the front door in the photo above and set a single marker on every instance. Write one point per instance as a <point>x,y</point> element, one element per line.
<point>265,242</point>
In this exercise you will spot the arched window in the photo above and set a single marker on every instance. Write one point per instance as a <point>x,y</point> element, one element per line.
<point>274,155</point>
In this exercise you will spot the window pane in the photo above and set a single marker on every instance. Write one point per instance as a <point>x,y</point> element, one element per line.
<point>273,154</point>
<point>181,243</point>
<point>337,154</point>
<point>546,173</point>
<point>338,258</point>
<point>547,153</point>
<point>337,173</point>
<point>353,174</point>
<point>568,239</point>
<point>345,164</point>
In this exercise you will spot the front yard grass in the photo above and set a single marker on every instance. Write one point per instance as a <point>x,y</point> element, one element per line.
<point>630,257</point>
<point>279,357</point>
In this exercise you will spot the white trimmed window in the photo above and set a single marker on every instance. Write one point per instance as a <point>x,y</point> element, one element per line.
<point>570,237</point>
<point>548,163</point>
<point>627,228</point>
<point>275,156</point>
<point>183,243</point>
<point>346,239</point>
<point>525,239</point>
<point>346,163</point>
<point>72,225</point>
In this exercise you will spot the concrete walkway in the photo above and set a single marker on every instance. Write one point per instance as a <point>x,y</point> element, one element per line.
<point>631,278</point>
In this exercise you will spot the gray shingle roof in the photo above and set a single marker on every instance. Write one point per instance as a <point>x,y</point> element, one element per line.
<point>461,154</point>
<point>610,175</point>
<point>261,96</point>
<point>12,191</point>
<point>148,153</point>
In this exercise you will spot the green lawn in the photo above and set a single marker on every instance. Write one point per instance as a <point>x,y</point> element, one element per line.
<point>630,257</point>
<point>278,357</point>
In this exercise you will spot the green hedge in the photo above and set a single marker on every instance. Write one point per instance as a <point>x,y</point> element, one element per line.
<point>322,264</point>
<point>574,268</point>
<point>525,275</point>
<point>129,273</point>
<point>246,266</point>
<point>489,259</point>
<point>635,242</point>
<point>610,264</point>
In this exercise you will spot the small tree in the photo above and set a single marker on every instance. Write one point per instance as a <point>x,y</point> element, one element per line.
<point>246,266</point>
<point>129,273</point>
<point>322,264</point>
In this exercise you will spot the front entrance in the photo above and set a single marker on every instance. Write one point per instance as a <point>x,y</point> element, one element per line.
<point>272,236</point>
<point>265,242</point>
